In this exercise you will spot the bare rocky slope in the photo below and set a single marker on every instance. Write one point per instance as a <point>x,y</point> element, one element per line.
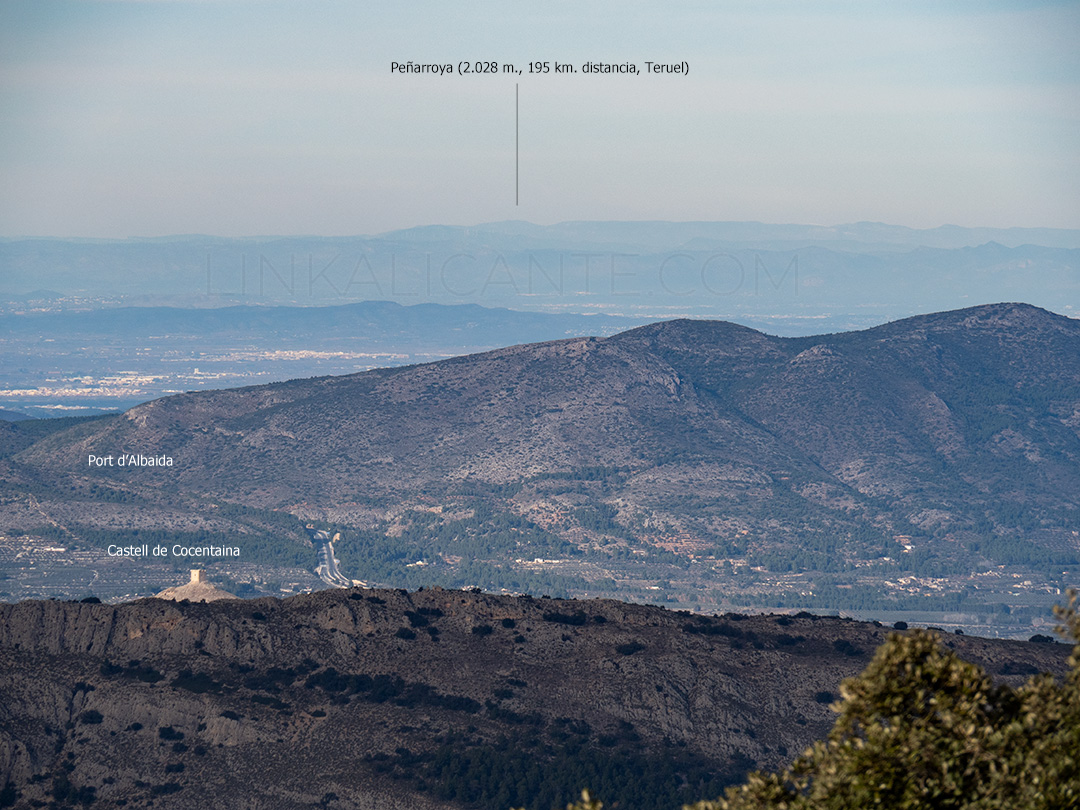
<point>430,699</point>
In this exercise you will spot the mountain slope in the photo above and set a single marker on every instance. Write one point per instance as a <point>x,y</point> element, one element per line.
<point>880,410</point>
<point>957,432</point>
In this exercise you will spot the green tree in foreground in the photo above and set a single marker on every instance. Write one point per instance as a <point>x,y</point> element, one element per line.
<point>921,728</point>
<point>587,803</point>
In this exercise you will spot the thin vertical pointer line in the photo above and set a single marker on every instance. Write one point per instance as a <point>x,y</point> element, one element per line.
<point>517,149</point>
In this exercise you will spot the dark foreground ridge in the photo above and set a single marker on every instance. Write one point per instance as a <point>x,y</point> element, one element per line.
<point>430,699</point>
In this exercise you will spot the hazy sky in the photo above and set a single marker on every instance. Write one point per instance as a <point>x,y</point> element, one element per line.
<point>242,118</point>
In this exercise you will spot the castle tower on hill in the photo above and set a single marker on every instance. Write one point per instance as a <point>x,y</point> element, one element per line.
<point>197,590</point>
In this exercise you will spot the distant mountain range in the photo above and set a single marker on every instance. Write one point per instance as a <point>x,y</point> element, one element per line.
<point>785,279</point>
<point>942,445</point>
<point>660,235</point>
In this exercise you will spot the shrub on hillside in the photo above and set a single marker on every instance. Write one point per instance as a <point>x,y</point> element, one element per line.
<point>921,727</point>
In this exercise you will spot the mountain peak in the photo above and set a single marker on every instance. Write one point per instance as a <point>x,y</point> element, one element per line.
<point>1008,318</point>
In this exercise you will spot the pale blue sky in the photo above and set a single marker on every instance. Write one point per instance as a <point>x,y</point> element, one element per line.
<point>239,118</point>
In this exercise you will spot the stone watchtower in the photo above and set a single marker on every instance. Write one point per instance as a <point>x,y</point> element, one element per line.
<point>198,590</point>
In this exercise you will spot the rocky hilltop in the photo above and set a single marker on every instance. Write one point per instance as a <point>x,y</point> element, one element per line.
<point>430,699</point>
<point>197,590</point>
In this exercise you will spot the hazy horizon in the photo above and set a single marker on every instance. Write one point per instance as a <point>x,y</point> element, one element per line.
<point>257,118</point>
<point>480,226</point>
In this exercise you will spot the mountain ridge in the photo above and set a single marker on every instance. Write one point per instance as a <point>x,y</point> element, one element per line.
<point>433,698</point>
<point>943,445</point>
